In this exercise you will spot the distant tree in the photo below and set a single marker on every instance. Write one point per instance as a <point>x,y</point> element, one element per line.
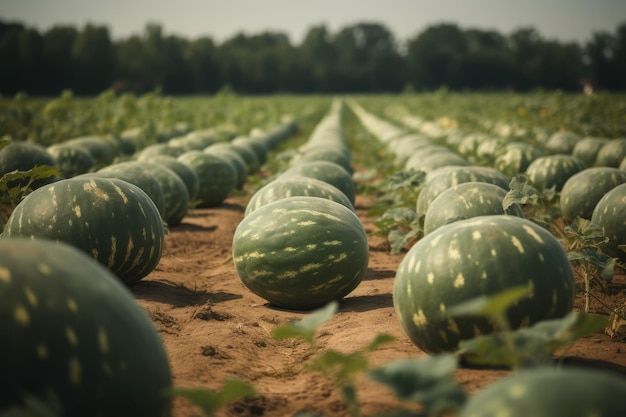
<point>93,53</point>
<point>368,59</point>
<point>204,66</point>
<point>606,57</point>
<point>258,63</point>
<point>318,54</point>
<point>434,55</point>
<point>57,54</point>
<point>10,78</point>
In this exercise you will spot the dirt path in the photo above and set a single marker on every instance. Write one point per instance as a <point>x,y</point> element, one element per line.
<point>215,329</point>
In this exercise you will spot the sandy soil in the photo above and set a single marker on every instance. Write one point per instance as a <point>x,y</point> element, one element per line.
<point>215,329</point>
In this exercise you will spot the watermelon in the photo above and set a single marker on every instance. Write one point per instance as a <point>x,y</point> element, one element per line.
<point>74,337</point>
<point>175,192</point>
<point>301,252</point>
<point>112,220</point>
<point>477,257</point>
<point>515,157</point>
<point>71,160</point>
<point>612,153</point>
<point>217,176</point>
<point>103,150</point>
<point>610,215</point>
<point>235,158</point>
<point>583,190</point>
<point>326,171</point>
<point>553,171</point>
<point>24,156</point>
<point>294,185</point>
<point>551,392</point>
<point>562,142</point>
<point>441,179</point>
<point>184,171</point>
<point>587,149</point>
<point>467,200</point>
<point>138,174</point>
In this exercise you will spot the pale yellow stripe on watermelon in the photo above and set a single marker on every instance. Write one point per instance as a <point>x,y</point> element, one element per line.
<point>42,351</point>
<point>120,192</point>
<point>307,223</point>
<point>435,240</point>
<point>290,249</point>
<point>453,327</point>
<point>92,187</point>
<point>5,275</point>
<point>260,274</point>
<point>129,249</point>
<point>516,242</point>
<point>71,305</point>
<point>321,287</point>
<point>318,213</point>
<point>533,233</point>
<point>20,314</point>
<point>419,318</point>
<point>332,243</point>
<point>74,370</point>
<point>103,340</point>
<point>459,282</point>
<point>337,258</point>
<point>287,275</point>
<point>70,334</point>
<point>454,253</point>
<point>138,259</point>
<point>30,296</point>
<point>309,267</point>
<point>113,252</point>
<point>53,199</point>
<point>44,269</point>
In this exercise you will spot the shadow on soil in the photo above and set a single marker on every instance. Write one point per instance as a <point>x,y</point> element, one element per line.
<point>178,295</point>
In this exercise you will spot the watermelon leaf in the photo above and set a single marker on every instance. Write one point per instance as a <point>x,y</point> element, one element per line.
<point>428,381</point>
<point>533,345</point>
<point>308,326</point>
<point>211,401</point>
<point>489,306</point>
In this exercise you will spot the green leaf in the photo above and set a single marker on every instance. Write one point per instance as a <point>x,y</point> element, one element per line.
<point>520,192</point>
<point>33,407</point>
<point>379,340</point>
<point>211,401</point>
<point>400,215</point>
<point>490,306</point>
<point>306,327</point>
<point>427,380</point>
<point>405,179</point>
<point>533,345</point>
<point>342,365</point>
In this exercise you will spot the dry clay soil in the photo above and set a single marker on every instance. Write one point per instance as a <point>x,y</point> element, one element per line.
<point>215,329</point>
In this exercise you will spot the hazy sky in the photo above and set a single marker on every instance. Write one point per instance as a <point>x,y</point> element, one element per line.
<point>565,20</point>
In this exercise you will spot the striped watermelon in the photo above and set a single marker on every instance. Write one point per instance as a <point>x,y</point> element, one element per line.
<point>476,257</point>
<point>112,220</point>
<point>72,334</point>
<point>301,252</point>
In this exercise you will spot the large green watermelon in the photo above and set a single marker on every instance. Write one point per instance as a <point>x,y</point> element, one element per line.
<point>301,252</point>
<point>112,220</point>
<point>477,257</point>
<point>72,336</point>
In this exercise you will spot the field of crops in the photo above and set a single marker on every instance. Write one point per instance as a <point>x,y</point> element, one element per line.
<point>293,203</point>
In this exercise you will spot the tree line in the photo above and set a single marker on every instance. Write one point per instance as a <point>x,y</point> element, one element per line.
<point>360,58</point>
